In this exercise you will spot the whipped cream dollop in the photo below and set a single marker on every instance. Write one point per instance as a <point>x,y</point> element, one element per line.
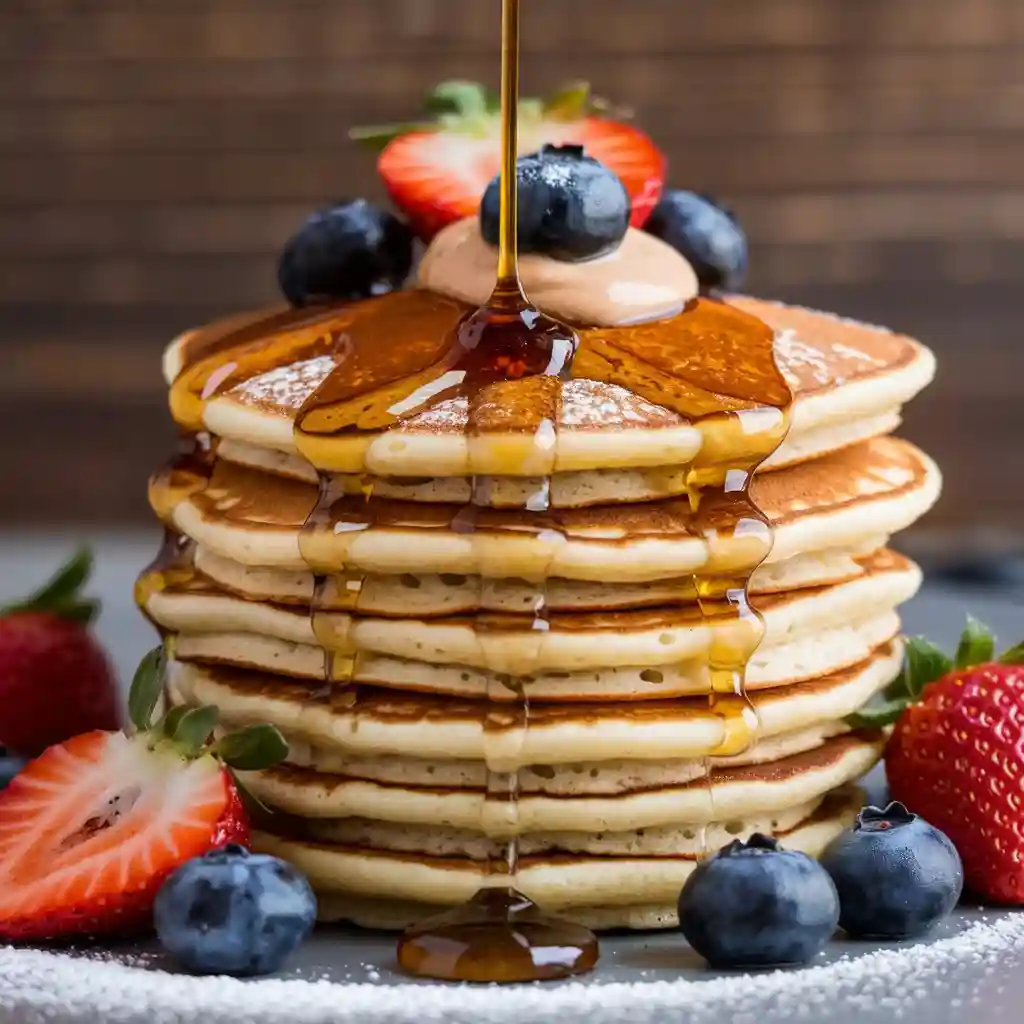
<point>643,279</point>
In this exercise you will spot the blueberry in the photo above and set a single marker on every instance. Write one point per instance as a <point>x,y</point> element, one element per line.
<point>897,876</point>
<point>570,207</point>
<point>706,233</point>
<point>9,767</point>
<point>351,250</point>
<point>232,912</point>
<point>755,904</point>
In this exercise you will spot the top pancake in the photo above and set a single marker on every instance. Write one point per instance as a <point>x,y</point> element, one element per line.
<point>849,382</point>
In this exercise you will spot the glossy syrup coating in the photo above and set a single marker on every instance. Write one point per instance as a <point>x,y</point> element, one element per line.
<point>712,363</point>
<point>405,352</point>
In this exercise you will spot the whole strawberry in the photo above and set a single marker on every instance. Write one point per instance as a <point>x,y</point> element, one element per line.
<point>91,829</point>
<point>956,754</point>
<point>55,679</point>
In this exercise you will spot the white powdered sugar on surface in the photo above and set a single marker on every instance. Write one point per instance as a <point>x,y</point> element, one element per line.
<point>49,988</point>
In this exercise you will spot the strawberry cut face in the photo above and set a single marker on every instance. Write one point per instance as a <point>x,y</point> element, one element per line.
<point>90,830</point>
<point>436,178</point>
<point>436,171</point>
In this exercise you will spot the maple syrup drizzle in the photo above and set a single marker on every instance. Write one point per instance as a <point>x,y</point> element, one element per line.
<point>402,353</point>
<point>185,474</point>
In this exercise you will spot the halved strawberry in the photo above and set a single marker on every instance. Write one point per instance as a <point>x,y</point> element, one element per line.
<point>436,171</point>
<point>90,830</point>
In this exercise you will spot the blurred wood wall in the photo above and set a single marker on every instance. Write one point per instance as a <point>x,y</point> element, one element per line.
<point>154,155</point>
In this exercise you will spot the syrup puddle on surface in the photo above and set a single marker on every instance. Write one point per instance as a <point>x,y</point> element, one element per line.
<point>402,353</point>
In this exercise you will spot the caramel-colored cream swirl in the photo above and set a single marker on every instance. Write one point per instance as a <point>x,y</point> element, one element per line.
<point>643,279</point>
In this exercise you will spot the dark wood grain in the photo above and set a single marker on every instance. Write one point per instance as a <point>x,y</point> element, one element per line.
<point>154,156</point>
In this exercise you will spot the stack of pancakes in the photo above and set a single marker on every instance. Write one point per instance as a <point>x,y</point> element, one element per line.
<point>388,799</point>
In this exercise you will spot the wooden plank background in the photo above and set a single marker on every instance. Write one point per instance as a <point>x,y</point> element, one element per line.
<point>154,156</point>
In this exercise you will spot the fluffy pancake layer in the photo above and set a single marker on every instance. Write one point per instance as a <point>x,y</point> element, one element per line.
<point>369,721</point>
<point>735,792</point>
<point>429,595</point>
<point>376,887</point>
<point>651,653</point>
<point>875,488</point>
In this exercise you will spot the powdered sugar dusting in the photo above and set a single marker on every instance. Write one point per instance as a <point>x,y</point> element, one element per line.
<point>887,984</point>
<point>793,353</point>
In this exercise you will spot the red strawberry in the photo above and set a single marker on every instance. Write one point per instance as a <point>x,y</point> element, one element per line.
<point>436,171</point>
<point>90,830</point>
<point>956,755</point>
<point>55,679</point>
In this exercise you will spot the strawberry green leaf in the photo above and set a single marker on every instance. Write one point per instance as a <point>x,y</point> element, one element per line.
<point>1014,656</point>
<point>146,689</point>
<point>570,103</point>
<point>977,644</point>
<point>168,725</point>
<point>61,588</point>
<point>877,714</point>
<point>377,136</point>
<point>466,99</point>
<point>252,748</point>
<point>899,688</point>
<point>923,665</point>
<point>83,610</point>
<point>194,728</point>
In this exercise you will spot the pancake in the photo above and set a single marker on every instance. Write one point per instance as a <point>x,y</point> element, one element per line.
<point>877,487</point>
<point>371,721</point>
<point>646,654</point>
<point>582,778</point>
<point>579,489</point>
<point>437,840</point>
<point>431,594</point>
<point>848,379</point>
<point>796,661</point>
<point>568,490</point>
<point>736,793</point>
<point>604,892</point>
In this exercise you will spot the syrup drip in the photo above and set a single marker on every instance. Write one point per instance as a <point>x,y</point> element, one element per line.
<point>723,511</point>
<point>403,353</point>
<point>185,474</point>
